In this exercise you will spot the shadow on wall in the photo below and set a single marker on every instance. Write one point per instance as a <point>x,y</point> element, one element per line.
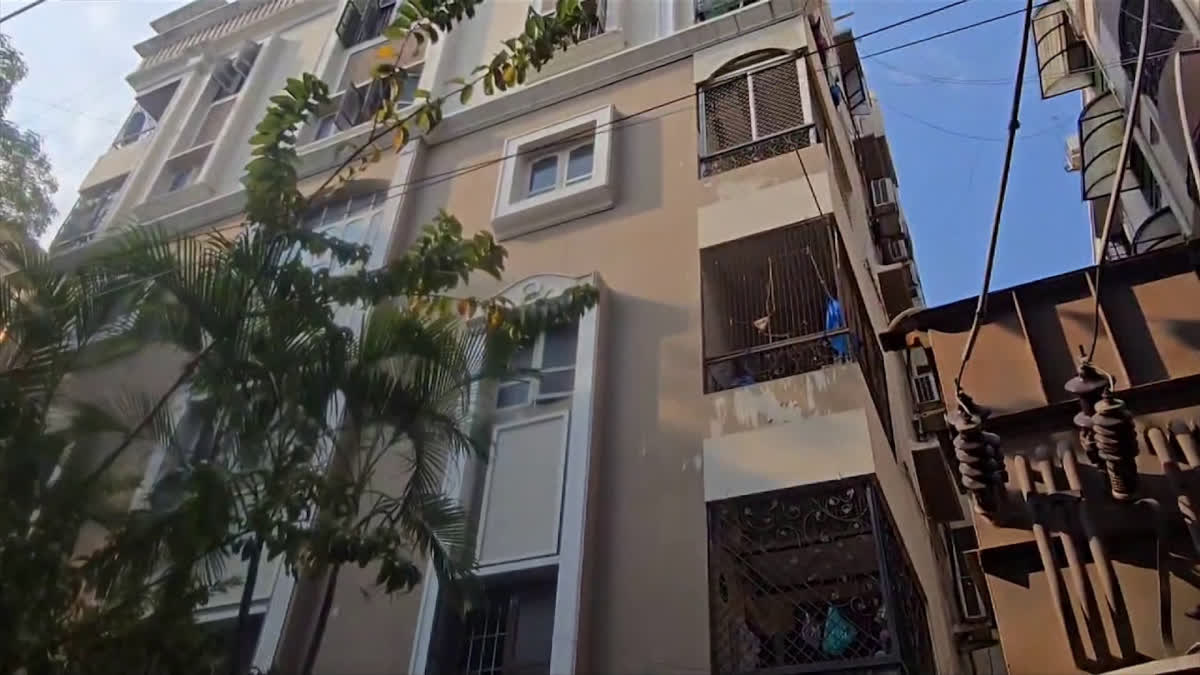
<point>647,563</point>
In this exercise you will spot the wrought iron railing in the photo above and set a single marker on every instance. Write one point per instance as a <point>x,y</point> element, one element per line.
<point>813,579</point>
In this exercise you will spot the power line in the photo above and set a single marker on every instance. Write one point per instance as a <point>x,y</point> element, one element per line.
<point>1014,123</point>
<point>940,79</point>
<point>892,110</point>
<point>434,179</point>
<point>21,10</point>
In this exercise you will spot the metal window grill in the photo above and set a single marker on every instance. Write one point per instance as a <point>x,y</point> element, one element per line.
<point>1165,27</point>
<point>925,388</point>
<point>801,581</point>
<point>485,634</point>
<point>752,116</point>
<point>767,302</point>
<point>782,303</point>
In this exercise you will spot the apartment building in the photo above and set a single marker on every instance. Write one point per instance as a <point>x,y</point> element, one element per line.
<point>1091,46</point>
<point>719,469</point>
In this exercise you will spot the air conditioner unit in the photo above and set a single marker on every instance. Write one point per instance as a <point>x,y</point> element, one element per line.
<point>1074,160</point>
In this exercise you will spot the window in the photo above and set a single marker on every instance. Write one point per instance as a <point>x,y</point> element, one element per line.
<point>138,125</point>
<point>359,103</point>
<point>753,115</point>
<point>882,192</point>
<point>1148,183</point>
<point>356,219</point>
<point>971,601</point>
<point>555,174</point>
<point>231,74</point>
<point>545,174</point>
<point>181,177</point>
<point>364,20</point>
<point>550,364</point>
<point>509,633</point>
<point>925,387</point>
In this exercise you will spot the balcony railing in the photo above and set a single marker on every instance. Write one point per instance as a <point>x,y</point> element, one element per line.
<point>813,579</point>
<point>783,303</point>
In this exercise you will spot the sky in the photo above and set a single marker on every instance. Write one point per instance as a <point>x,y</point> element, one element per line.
<point>945,102</point>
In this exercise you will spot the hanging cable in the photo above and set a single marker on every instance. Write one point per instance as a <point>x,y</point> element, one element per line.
<point>1119,177</point>
<point>1014,123</point>
<point>20,10</point>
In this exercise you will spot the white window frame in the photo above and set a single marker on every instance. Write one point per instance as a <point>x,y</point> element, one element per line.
<point>237,68</point>
<point>415,71</point>
<point>563,156</point>
<point>515,212</point>
<point>882,192</point>
<point>534,394</point>
<point>929,380</point>
<point>372,216</point>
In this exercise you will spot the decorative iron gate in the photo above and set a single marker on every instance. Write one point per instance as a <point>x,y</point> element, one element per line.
<point>813,579</point>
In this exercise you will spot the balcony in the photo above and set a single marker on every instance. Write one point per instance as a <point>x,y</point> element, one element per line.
<point>88,216</point>
<point>711,9</point>
<point>784,303</point>
<point>814,579</point>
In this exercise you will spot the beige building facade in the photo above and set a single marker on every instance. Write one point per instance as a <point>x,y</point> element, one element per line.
<point>718,469</point>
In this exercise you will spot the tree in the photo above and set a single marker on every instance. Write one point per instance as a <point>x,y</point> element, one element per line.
<point>27,185</point>
<point>308,367</point>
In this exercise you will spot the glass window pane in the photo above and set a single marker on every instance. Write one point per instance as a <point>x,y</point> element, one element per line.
<point>543,174</point>
<point>409,91</point>
<point>579,164</point>
<point>560,344</point>
<point>557,383</point>
<point>512,394</point>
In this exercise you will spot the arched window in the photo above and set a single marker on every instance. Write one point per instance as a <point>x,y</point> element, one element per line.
<point>1165,27</point>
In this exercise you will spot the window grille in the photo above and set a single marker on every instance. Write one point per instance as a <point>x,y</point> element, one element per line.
<point>813,579</point>
<point>925,388</point>
<point>752,116</point>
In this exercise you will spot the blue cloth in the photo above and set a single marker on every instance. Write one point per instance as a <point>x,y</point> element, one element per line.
<point>835,320</point>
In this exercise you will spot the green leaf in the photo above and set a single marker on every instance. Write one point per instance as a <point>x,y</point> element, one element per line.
<point>464,96</point>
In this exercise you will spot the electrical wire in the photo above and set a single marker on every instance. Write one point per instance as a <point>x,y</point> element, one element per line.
<point>21,10</point>
<point>892,110</point>
<point>1119,177</point>
<point>1014,123</point>
<point>946,80</point>
<point>434,179</point>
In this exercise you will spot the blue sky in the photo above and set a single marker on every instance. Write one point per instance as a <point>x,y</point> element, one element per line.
<point>934,97</point>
